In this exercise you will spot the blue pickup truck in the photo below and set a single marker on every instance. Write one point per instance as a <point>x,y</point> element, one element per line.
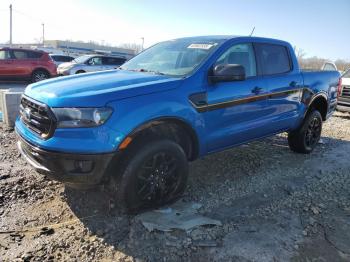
<point>136,128</point>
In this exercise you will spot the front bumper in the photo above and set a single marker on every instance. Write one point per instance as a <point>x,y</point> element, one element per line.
<point>79,170</point>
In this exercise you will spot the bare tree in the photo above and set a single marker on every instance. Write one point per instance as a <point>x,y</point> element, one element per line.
<point>342,65</point>
<point>299,52</point>
<point>132,46</point>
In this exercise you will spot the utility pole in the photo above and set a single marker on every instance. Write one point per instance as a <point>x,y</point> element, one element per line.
<point>143,42</point>
<point>43,33</point>
<point>11,24</point>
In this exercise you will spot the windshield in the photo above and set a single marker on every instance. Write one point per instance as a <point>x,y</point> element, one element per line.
<point>347,74</point>
<point>81,59</point>
<point>175,58</point>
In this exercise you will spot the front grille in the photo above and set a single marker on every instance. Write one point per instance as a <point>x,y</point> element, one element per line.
<point>345,91</point>
<point>37,116</point>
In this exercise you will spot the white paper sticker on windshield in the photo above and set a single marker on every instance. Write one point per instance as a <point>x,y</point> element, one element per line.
<point>201,46</point>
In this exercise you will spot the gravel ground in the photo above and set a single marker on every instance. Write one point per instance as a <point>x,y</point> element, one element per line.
<point>274,205</point>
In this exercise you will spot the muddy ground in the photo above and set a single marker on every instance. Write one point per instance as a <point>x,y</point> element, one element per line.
<point>274,205</point>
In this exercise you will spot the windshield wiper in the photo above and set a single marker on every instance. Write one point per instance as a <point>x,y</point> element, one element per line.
<point>150,71</point>
<point>142,70</point>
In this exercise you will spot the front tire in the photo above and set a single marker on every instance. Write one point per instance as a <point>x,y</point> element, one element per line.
<point>305,138</point>
<point>155,173</point>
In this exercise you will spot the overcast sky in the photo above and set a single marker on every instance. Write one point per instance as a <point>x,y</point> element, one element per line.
<point>320,27</point>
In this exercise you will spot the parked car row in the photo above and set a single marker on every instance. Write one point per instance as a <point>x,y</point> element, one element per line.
<point>36,65</point>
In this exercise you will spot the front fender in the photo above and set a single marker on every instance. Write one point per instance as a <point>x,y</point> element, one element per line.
<point>129,114</point>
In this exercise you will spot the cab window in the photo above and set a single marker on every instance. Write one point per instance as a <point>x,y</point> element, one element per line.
<point>241,54</point>
<point>274,59</point>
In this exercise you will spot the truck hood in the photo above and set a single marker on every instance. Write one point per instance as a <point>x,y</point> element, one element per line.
<point>97,89</point>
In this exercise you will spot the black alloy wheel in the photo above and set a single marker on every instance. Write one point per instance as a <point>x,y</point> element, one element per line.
<point>305,138</point>
<point>158,177</point>
<point>154,173</point>
<point>313,132</point>
<point>39,75</point>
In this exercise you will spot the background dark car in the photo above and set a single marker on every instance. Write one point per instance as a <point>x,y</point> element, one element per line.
<point>59,59</point>
<point>25,64</point>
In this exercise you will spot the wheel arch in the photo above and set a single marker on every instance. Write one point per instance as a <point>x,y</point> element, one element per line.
<point>174,128</point>
<point>41,69</point>
<point>319,102</point>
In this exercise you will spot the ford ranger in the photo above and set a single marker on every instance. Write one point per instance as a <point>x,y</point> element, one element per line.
<point>135,128</point>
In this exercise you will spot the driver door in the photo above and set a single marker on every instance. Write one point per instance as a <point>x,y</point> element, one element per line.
<point>237,111</point>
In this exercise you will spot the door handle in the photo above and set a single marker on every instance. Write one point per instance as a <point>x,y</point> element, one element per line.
<point>256,90</point>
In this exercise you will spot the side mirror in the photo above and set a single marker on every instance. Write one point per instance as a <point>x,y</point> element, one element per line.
<point>227,73</point>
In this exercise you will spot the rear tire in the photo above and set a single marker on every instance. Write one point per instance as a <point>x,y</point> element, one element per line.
<point>305,138</point>
<point>39,75</point>
<point>153,174</point>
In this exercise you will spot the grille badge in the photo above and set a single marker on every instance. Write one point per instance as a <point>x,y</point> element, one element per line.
<point>27,113</point>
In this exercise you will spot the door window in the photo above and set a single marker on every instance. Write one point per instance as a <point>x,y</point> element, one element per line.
<point>67,58</point>
<point>18,54</point>
<point>4,55</point>
<point>95,61</point>
<point>274,59</point>
<point>241,54</point>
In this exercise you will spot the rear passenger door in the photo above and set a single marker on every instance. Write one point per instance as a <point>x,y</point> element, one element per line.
<point>22,66</point>
<point>284,85</point>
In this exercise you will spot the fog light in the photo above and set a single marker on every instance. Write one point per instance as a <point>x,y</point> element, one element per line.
<point>82,166</point>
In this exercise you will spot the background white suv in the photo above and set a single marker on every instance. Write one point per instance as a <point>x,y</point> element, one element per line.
<point>90,63</point>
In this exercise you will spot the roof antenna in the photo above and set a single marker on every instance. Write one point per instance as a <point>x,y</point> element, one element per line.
<point>252,31</point>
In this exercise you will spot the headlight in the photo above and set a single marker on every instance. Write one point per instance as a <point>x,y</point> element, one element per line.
<point>81,117</point>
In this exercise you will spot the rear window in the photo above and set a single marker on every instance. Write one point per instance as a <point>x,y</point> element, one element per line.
<point>32,54</point>
<point>274,59</point>
<point>113,61</point>
<point>67,58</point>
<point>62,58</point>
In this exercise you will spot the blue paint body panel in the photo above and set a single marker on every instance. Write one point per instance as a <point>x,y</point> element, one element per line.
<point>138,98</point>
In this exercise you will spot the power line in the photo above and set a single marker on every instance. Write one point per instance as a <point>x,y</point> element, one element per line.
<point>26,15</point>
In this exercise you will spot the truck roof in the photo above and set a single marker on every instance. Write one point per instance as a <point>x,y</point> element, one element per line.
<point>224,38</point>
